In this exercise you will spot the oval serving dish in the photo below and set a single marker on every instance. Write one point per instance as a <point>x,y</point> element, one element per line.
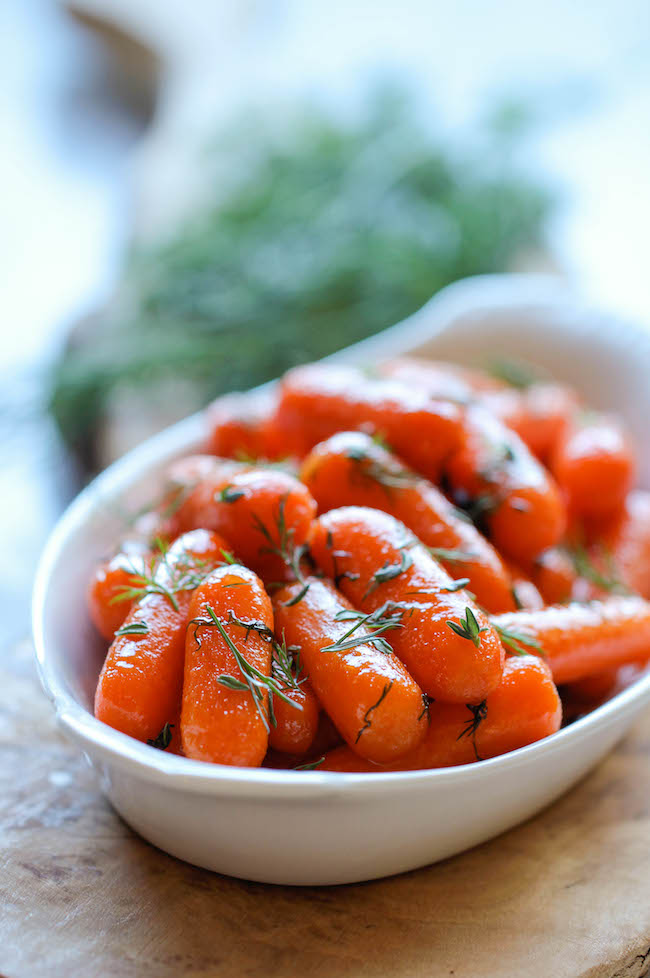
<point>342,828</point>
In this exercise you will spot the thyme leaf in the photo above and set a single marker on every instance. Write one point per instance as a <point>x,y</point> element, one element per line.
<point>311,766</point>
<point>468,628</point>
<point>133,628</point>
<point>367,722</point>
<point>518,641</point>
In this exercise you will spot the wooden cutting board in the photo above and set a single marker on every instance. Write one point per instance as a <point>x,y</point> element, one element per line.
<point>567,895</point>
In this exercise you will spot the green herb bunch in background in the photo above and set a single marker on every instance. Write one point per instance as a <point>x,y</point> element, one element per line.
<point>311,241</point>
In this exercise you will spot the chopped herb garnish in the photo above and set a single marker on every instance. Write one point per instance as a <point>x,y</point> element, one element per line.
<point>389,477</point>
<point>310,766</point>
<point>390,571</point>
<point>457,585</point>
<point>479,713</point>
<point>518,641</point>
<point>164,738</point>
<point>451,556</point>
<point>290,554</point>
<point>133,628</point>
<point>367,722</point>
<point>259,685</point>
<point>605,576</point>
<point>468,627</point>
<point>426,706</point>
<point>230,495</point>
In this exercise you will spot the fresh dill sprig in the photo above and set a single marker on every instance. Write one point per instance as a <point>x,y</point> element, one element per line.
<point>162,576</point>
<point>133,628</point>
<point>374,625</point>
<point>311,766</point>
<point>291,555</point>
<point>468,628</point>
<point>452,556</point>
<point>390,571</point>
<point>229,494</point>
<point>518,641</point>
<point>457,585</point>
<point>389,477</point>
<point>286,664</point>
<point>585,566</point>
<point>367,722</point>
<point>252,679</point>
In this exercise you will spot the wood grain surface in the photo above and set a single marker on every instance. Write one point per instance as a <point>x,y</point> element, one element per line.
<point>567,895</point>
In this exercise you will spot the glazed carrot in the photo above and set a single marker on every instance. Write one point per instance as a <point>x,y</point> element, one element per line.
<point>365,689</point>
<point>553,574</point>
<point>445,641</point>
<point>540,414</point>
<point>296,725</point>
<point>239,426</point>
<point>495,474</point>
<point>525,707</point>
<point>317,401</point>
<point>595,467</point>
<point>139,688</point>
<point>225,717</point>
<point>350,468</point>
<point>266,511</point>
<point>579,640</point>
<point>191,483</point>
<point>108,581</point>
<point>617,550</point>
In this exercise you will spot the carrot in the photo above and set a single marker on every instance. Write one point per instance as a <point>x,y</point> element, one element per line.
<point>507,489</point>
<point>595,467</point>
<point>226,717</point>
<point>139,687</point>
<point>445,641</point>
<point>367,692</point>
<point>553,574</point>
<point>191,484</point>
<point>266,511</point>
<point>350,468</point>
<point>108,581</point>
<point>296,725</point>
<point>317,401</point>
<point>621,546</point>
<point>580,640</point>
<point>239,426</point>
<point>525,707</point>
<point>540,414</point>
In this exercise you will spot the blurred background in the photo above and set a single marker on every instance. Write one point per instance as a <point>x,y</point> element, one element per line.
<point>197,195</point>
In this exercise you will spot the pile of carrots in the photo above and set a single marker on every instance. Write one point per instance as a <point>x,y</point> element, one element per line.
<point>417,567</point>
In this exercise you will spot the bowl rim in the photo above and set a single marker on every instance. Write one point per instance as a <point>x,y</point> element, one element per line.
<point>184,773</point>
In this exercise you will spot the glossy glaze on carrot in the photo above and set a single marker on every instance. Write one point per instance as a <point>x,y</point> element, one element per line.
<point>525,707</point>
<point>139,687</point>
<point>221,721</point>
<point>317,401</point>
<point>445,640</point>
<point>352,469</point>
<point>368,693</point>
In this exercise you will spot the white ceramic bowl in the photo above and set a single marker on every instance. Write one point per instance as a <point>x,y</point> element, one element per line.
<point>322,828</point>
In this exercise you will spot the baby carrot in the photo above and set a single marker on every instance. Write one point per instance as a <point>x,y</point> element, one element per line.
<point>525,707</point>
<point>226,714</point>
<point>595,467</point>
<point>297,717</point>
<point>553,574</point>
<point>365,689</point>
<point>445,641</point>
<point>350,468</point>
<point>626,540</point>
<point>579,640</point>
<point>266,511</point>
<point>239,426</point>
<point>540,414</point>
<point>139,687</point>
<point>317,401</point>
<point>108,581</point>
<point>495,475</point>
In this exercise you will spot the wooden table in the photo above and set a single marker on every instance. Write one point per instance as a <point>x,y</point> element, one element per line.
<point>566,895</point>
